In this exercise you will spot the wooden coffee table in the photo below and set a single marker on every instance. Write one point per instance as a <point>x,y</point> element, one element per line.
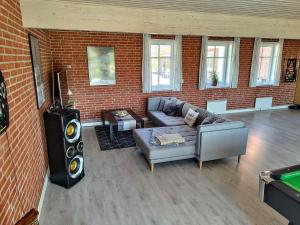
<point>108,116</point>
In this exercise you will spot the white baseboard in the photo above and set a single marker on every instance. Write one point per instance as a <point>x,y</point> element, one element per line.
<point>280,107</point>
<point>253,109</point>
<point>240,110</point>
<point>43,193</point>
<point>91,124</point>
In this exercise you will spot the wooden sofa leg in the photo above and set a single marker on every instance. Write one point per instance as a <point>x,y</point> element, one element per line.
<point>151,167</point>
<point>200,164</point>
<point>239,158</point>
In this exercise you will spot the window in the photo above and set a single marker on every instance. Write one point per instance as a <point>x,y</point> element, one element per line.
<point>265,74</point>
<point>218,63</point>
<point>266,63</point>
<point>162,64</point>
<point>220,60</point>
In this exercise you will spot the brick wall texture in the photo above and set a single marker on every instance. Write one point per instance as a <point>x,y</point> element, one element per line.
<point>69,48</point>
<point>23,156</point>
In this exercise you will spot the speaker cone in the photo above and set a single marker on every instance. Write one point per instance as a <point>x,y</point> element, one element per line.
<point>70,152</point>
<point>72,131</point>
<point>76,166</point>
<point>80,146</point>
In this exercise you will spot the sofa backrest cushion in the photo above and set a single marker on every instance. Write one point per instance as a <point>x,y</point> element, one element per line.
<point>153,103</point>
<point>202,115</point>
<point>186,108</point>
<point>210,117</point>
<point>162,102</point>
<point>178,101</point>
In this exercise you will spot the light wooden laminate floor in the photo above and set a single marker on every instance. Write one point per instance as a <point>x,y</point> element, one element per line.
<point>119,189</point>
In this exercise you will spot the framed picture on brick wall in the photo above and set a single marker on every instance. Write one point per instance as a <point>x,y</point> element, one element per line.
<point>101,63</point>
<point>291,70</point>
<point>37,70</point>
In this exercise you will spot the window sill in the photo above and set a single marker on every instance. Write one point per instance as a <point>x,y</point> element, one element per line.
<point>102,84</point>
<point>156,91</point>
<point>265,85</point>
<point>217,87</point>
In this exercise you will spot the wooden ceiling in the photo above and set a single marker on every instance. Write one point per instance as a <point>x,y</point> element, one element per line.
<point>289,9</point>
<point>229,18</point>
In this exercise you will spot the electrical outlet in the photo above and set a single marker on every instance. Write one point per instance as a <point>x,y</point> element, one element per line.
<point>69,66</point>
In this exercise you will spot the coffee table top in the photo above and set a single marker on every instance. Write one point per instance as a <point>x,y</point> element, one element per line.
<point>108,116</point>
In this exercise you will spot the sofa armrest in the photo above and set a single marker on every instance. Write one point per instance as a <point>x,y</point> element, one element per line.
<point>221,126</point>
<point>216,141</point>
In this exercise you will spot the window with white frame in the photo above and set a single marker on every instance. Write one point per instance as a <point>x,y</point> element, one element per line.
<point>218,63</point>
<point>162,64</point>
<point>266,64</point>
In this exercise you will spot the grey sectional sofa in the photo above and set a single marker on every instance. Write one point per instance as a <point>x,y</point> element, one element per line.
<point>203,142</point>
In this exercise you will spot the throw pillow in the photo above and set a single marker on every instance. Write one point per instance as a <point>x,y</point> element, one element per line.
<point>219,120</point>
<point>202,115</point>
<point>191,117</point>
<point>168,104</point>
<point>208,120</point>
<point>171,111</point>
<point>179,109</point>
<point>161,104</point>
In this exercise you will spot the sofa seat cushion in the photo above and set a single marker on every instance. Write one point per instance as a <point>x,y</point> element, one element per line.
<point>161,119</point>
<point>144,137</point>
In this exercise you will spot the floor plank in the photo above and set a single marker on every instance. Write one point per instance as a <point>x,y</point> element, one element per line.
<point>119,189</point>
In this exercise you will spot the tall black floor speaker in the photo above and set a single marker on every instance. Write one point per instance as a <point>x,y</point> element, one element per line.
<point>65,146</point>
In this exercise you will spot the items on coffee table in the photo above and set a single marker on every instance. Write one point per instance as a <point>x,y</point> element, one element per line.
<point>120,113</point>
<point>166,139</point>
<point>125,120</point>
<point>118,117</point>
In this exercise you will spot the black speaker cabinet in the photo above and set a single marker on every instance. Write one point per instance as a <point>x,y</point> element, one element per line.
<point>64,143</point>
<point>4,119</point>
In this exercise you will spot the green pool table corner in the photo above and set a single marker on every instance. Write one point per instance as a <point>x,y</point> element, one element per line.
<point>292,180</point>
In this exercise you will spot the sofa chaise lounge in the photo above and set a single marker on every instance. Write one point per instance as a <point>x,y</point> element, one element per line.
<point>203,142</point>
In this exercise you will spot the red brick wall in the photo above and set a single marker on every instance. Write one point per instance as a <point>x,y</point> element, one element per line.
<point>23,157</point>
<point>69,48</point>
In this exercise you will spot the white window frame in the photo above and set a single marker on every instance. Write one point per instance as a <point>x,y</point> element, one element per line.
<point>227,62</point>
<point>172,64</point>
<point>271,78</point>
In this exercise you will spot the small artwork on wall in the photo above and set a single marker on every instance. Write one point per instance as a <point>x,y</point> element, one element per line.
<point>101,63</point>
<point>37,72</point>
<point>4,111</point>
<point>291,70</point>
